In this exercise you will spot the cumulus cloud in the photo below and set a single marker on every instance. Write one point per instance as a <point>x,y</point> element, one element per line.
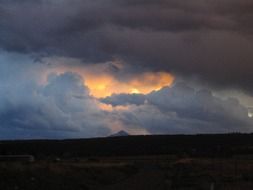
<point>96,49</point>
<point>212,40</point>
<point>104,79</point>
<point>61,108</point>
<point>183,109</point>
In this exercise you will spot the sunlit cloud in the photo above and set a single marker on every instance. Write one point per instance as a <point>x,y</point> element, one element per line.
<point>250,112</point>
<point>106,85</point>
<point>108,107</point>
<point>102,82</point>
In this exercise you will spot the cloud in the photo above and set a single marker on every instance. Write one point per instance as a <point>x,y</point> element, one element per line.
<point>61,108</point>
<point>183,109</point>
<point>124,99</point>
<point>105,79</point>
<point>210,40</point>
<point>37,102</point>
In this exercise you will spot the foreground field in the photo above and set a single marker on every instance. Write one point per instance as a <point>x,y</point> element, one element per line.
<point>176,162</point>
<point>129,173</point>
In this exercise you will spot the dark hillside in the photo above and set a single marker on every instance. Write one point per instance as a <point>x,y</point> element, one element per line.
<point>196,145</point>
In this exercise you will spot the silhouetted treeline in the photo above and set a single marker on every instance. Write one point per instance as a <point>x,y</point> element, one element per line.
<point>193,145</point>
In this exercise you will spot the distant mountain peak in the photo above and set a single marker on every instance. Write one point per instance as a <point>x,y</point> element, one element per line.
<point>120,134</point>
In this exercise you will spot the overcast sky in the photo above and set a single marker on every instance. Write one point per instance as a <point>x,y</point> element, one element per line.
<point>88,68</point>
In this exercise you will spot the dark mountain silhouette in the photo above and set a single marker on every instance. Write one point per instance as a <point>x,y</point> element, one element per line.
<point>121,133</point>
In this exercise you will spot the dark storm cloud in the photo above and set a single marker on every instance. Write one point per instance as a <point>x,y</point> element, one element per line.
<point>124,99</point>
<point>209,39</point>
<point>60,108</point>
<point>182,109</point>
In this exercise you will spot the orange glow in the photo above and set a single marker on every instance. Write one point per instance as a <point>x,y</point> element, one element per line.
<point>102,83</point>
<point>106,85</point>
<point>108,107</point>
<point>135,91</point>
<point>105,107</point>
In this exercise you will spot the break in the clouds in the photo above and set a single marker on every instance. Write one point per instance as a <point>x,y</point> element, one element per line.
<point>86,68</point>
<point>208,39</point>
<point>62,106</point>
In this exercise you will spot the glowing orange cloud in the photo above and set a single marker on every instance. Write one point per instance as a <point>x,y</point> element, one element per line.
<point>106,85</point>
<point>102,83</point>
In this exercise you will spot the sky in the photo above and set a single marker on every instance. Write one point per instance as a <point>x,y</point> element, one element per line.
<point>90,68</point>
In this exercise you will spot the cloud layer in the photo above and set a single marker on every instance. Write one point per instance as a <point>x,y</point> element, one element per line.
<point>58,57</point>
<point>208,39</point>
<point>182,109</point>
<point>62,107</point>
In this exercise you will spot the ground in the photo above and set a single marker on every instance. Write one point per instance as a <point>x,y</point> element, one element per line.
<point>129,173</point>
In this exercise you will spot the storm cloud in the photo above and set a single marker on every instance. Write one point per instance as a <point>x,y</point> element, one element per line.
<point>183,109</point>
<point>208,39</point>
<point>58,58</point>
<point>60,108</point>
